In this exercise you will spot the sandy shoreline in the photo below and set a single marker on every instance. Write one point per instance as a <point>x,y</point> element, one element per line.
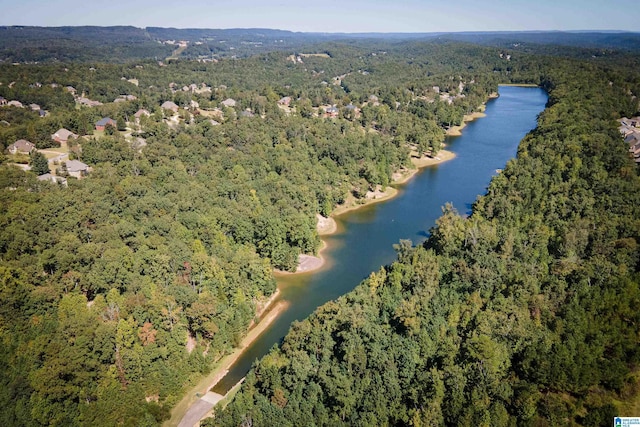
<point>327,226</point>
<point>457,130</point>
<point>307,263</point>
<point>422,162</point>
<point>223,365</point>
<point>253,333</point>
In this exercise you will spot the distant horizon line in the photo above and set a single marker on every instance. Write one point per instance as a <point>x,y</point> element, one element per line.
<point>327,32</point>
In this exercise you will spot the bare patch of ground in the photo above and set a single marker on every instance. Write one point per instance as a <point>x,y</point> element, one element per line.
<point>456,130</point>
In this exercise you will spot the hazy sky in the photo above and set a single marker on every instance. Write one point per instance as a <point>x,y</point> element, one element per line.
<point>332,15</point>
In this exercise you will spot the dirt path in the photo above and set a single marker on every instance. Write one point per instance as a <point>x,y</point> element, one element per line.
<point>176,53</point>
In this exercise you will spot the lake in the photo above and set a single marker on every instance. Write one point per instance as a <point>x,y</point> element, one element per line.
<point>367,235</point>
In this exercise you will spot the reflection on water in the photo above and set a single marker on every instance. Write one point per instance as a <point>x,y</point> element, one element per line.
<point>367,235</point>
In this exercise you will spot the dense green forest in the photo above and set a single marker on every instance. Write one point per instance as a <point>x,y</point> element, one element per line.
<point>125,286</point>
<point>27,44</point>
<point>120,289</point>
<point>525,313</point>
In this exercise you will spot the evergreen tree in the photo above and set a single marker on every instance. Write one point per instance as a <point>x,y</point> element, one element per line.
<point>122,125</point>
<point>39,163</point>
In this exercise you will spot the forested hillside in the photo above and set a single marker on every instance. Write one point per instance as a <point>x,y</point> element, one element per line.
<point>525,313</point>
<point>28,44</point>
<point>121,288</point>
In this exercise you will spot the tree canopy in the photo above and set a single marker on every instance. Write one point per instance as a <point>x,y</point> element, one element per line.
<point>122,288</point>
<point>524,313</point>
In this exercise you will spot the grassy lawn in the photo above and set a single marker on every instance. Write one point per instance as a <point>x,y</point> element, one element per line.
<point>96,134</point>
<point>59,150</point>
<point>18,158</point>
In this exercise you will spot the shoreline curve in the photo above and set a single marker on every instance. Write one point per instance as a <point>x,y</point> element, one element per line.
<point>326,226</point>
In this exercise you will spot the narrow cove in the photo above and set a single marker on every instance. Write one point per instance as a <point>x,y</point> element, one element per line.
<point>366,236</point>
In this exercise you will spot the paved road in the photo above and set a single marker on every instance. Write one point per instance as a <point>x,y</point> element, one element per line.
<point>198,410</point>
<point>60,157</point>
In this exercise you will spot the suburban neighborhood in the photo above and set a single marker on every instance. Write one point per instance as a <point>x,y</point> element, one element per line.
<point>630,130</point>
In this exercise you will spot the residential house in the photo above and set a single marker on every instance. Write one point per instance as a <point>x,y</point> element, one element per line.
<point>34,107</point>
<point>63,135</point>
<point>352,111</point>
<point>22,146</point>
<point>625,130</point>
<point>632,137</point>
<point>104,122</point>
<point>331,112</point>
<point>285,101</point>
<point>53,178</point>
<point>141,112</point>
<point>76,168</point>
<point>229,102</point>
<point>169,105</point>
<point>123,98</point>
<point>88,102</point>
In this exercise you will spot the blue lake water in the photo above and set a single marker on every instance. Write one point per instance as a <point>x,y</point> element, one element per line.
<point>367,235</point>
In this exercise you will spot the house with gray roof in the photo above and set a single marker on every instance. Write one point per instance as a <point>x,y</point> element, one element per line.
<point>88,102</point>
<point>76,168</point>
<point>104,122</point>
<point>285,101</point>
<point>53,178</point>
<point>169,105</point>
<point>331,111</point>
<point>229,102</point>
<point>141,112</point>
<point>21,146</point>
<point>63,135</point>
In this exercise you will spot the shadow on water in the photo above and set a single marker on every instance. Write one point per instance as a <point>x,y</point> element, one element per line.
<point>367,235</point>
<point>423,234</point>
